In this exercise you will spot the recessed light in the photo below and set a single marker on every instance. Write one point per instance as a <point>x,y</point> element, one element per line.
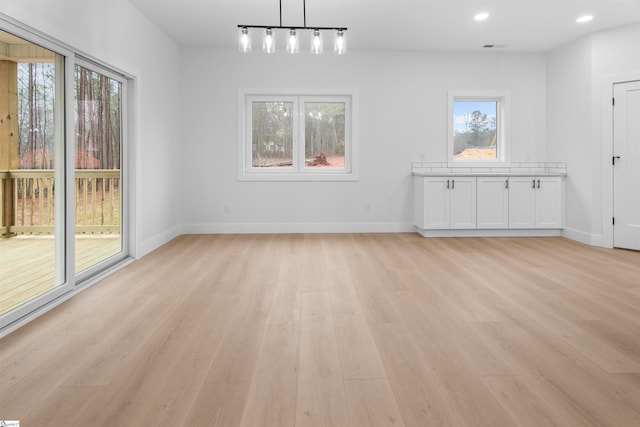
<point>481,16</point>
<point>584,18</point>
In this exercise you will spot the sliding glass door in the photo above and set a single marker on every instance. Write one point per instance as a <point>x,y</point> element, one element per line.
<point>98,183</point>
<point>32,170</point>
<point>63,180</point>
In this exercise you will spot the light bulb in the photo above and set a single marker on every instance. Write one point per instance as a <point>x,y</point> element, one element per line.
<point>244,40</point>
<point>316,42</point>
<point>269,41</point>
<point>292,41</point>
<point>340,43</point>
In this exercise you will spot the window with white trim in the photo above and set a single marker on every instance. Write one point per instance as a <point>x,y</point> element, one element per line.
<point>296,137</point>
<point>478,128</point>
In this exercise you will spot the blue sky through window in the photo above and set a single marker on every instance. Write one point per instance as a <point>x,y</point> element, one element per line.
<point>462,108</point>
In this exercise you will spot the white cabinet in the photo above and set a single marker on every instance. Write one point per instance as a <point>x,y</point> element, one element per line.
<point>462,202</point>
<point>492,202</point>
<point>536,202</point>
<point>522,202</point>
<point>549,202</point>
<point>445,203</point>
<point>435,203</point>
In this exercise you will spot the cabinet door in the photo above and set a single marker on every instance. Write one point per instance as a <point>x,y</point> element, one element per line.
<point>418,201</point>
<point>522,202</point>
<point>436,202</point>
<point>462,201</point>
<point>493,202</point>
<point>549,207</point>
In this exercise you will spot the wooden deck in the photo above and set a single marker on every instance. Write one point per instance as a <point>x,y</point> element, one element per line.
<point>26,264</point>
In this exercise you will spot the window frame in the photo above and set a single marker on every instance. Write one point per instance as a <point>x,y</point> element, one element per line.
<point>503,127</point>
<point>298,171</point>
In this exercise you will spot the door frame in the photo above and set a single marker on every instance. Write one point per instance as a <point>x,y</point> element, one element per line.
<point>607,151</point>
<point>74,284</point>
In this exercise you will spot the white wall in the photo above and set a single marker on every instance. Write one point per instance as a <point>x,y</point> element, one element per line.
<point>569,128</point>
<point>403,112</point>
<point>117,34</point>
<point>616,56</point>
<point>577,76</point>
<point>186,121</point>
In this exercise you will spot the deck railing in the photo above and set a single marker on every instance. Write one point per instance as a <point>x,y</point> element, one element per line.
<point>28,203</point>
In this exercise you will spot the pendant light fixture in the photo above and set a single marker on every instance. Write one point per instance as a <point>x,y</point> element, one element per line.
<point>244,41</point>
<point>316,42</point>
<point>269,41</point>
<point>340,43</point>
<point>293,42</point>
<point>292,37</point>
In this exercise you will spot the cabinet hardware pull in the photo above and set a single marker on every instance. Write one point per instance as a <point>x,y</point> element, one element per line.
<point>453,184</point>
<point>533,184</point>
<point>447,184</point>
<point>506,183</point>
<point>538,183</point>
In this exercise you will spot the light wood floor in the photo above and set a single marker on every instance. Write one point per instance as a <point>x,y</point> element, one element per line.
<point>341,330</point>
<point>27,264</point>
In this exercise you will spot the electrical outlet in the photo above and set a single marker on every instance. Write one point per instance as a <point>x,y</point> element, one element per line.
<point>367,206</point>
<point>423,157</point>
<point>227,208</point>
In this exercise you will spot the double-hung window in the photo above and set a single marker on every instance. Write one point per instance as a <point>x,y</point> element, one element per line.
<point>478,128</point>
<point>295,137</point>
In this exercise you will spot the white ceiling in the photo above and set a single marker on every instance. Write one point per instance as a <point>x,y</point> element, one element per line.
<point>434,25</point>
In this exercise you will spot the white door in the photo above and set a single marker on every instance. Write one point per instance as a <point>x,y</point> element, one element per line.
<point>462,202</point>
<point>493,202</point>
<point>33,270</point>
<point>626,169</point>
<point>436,202</point>
<point>549,209</point>
<point>522,202</point>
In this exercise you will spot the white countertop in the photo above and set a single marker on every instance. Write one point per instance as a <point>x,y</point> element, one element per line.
<point>489,174</point>
<point>523,169</point>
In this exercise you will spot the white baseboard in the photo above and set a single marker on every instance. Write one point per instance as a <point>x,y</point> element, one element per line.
<point>583,237</point>
<point>490,233</point>
<point>295,228</point>
<point>155,242</point>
